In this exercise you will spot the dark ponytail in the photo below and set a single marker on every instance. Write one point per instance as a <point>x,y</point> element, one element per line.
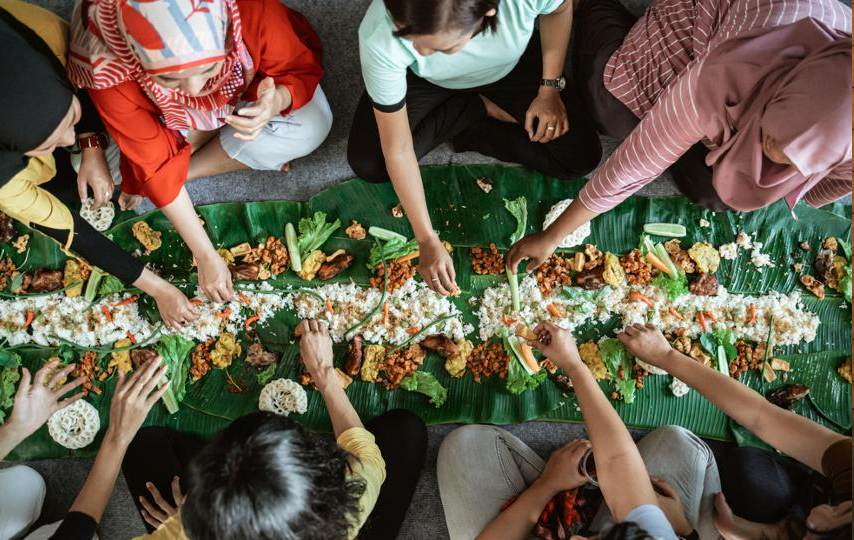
<point>425,17</point>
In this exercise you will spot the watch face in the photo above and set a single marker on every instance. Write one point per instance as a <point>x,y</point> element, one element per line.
<point>561,83</point>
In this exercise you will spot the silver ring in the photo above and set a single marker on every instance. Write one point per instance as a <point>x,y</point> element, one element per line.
<point>550,128</point>
<point>435,279</point>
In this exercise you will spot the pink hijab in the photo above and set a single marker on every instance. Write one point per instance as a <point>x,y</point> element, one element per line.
<point>114,41</point>
<point>791,82</point>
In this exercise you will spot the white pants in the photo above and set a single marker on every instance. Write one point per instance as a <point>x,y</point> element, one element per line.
<point>22,492</point>
<point>284,138</point>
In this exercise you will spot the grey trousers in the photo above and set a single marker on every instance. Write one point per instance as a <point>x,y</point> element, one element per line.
<point>481,467</point>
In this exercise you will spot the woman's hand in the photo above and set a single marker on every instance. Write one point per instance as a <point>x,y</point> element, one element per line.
<point>158,510</point>
<point>251,119</point>
<point>38,398</point>
<point>95,174</point>
<point>557,344</point>
<point>671,505</point>
<point>175,308</point>
<point>561,472</point>
<point>315,347</point>
<point>215,278</point>
<point>646,342</point>
<point>436,266</point>
<point>133,398</point>
<point>537,248</point>
<point>549,111</point>
<point>128,201</point>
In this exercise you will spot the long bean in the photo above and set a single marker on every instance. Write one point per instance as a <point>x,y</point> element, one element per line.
<point>348,335</point>
<point>422,332</point>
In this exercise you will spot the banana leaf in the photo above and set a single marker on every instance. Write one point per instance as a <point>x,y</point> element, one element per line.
<point>466,216</point>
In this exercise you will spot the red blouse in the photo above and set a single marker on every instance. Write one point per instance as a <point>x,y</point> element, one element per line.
<point>155,159</point>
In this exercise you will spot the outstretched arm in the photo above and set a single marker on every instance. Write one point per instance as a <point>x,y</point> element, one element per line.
<point>785,430</point>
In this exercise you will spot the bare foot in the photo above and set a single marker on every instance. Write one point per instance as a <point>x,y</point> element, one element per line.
<point>494,111</point>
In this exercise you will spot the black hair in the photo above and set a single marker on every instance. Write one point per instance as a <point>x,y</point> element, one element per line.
<point>425,17</point>
<point>627,530</point>
<point>265,477</point>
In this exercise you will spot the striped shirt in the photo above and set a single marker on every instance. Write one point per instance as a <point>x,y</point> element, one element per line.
<point>655,71</point>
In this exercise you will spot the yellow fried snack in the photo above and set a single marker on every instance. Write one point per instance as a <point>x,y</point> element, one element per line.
<point>844,370</point>
<point>706,257</point>
<point>148,237</point>
<point>225,350</point>
<point>311,264</point>
<point>613,274</point>
<point>589,352</point>
<point>76,272</point>
<point>455,365</point>
<point>373,359</point>
<point>121,359</point>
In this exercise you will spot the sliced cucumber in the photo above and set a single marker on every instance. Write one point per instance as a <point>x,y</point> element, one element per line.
<point>673,230</point>
<point>385,234</point>
<point>92,284</point>
<point>293,247</point>
<point>723,361</point>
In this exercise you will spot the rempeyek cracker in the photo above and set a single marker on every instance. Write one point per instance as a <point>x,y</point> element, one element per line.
<point>99,218</point>
<point>75,426</point>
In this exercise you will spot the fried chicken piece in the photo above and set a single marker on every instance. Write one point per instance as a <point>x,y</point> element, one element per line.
<point>245,271</point>
<point>592,278</point>
<point>258,357</point>
<point>46,280</point>
<point>786,396</point>
<point>354,356</point>
<point>813,285</point>
<point>704,285</point>
<point>7,228</point>
<point>440,344</point>
<point>139,357</point>
<point>334,266</point>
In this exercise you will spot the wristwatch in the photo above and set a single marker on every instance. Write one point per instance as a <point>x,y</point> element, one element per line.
<point>96,140</point>
<point>560,83</point>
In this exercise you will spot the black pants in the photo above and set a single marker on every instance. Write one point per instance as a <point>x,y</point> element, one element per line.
<point>438,115</point>
<point>158,454</point>
<point>600,28</point>
<point>765,487</point>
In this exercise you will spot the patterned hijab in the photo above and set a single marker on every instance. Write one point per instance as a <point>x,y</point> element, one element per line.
<point>114,41</point>
<point>792,83</point>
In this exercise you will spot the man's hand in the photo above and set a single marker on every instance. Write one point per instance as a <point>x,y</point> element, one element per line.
<point>436,267</point>
<point>671,505</point>
<point>95,175</point>
<point>646,342</point>
<point>175,308</point>
<point>251,119</point>
<point>38,398</point>
<point>561,472</point>
<point>215,278</point>
<point>550,112</point>
<point>158,510</point>
<point>557,344</point>
<point>133,398</point>
<point>537,248</point>
<point>315,347</point>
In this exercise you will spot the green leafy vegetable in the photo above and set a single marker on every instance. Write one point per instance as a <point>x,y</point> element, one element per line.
<point>425,383</point>
<point>673,287</point>
<point>175,352</point>
<point>110,285</point>
<point>619,364</point>
<point>845,283</point>
<point>519,209</point>
<point>9,375</point>
<point>390,250</point>
<point>518,378</point>
<point>264,376</point>
<point>721,345</point>
<point>314,231</point>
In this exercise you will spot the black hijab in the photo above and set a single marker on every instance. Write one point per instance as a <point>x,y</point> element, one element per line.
<point>34,94</point>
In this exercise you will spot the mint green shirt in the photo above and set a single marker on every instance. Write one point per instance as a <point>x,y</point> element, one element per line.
<point>488,57</point>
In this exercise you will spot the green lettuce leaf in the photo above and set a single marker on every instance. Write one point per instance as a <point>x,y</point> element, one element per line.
<point>264,376</point>
<point>619,364</point>
<point>175,353</point>
<point>673,287</point>
<point>9,376</point>
<point>390,250</point>
<point>425,383</point>
<point>314,231</point>
<point>519,208</point>
<point>518,378</point>
<point>109,285</point>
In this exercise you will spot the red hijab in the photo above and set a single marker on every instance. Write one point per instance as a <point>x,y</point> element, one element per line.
<point>790,82</point>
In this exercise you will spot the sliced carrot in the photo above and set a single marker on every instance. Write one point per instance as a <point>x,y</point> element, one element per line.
<point>385,314</point>
<point>676,314</point>
<point>636,296</point>
<point>250,321</point>
<point>554,310</point>
<point>243,298</point>
<point>712,316</point>
<point>131,337</point>
<point>408,257</point>
<point>751,314</point>
<point>652,259</point>
<point>126,301</point>
<point>106,311</point>
<point>701,318</point>
<point>197,301</point>
<point>29,318</point>
<point>524,332</point>
<point>508,320</point>
<point>224,314</point>
<point>329,307</point>
<point>412,330</point>
<point>96,390</point>
<point>528,357</point>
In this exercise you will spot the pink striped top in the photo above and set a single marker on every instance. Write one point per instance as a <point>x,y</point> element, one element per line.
<point>654,73</point>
